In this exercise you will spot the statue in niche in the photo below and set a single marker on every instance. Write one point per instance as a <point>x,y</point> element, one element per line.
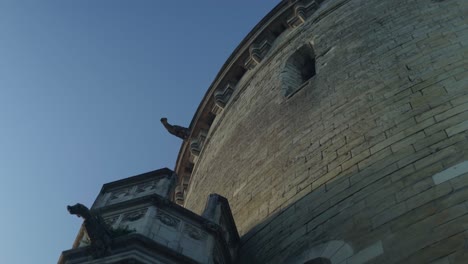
<point>178,131</point>
<point>98,233</point>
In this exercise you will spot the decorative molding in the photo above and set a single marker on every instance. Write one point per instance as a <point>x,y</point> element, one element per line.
<point>194,232</point>
<point>119,193</point>
<point>256,53</point>
<point>167,219</point>
<point>143,187</point>
<point>301,12</point>
<point>111,220</point>
<point>179,195</point>
<point>196,144</point>
<point>134,215</point>
<point>222,96</point>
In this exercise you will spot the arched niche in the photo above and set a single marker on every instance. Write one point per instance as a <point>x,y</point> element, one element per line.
<point>298,70</point>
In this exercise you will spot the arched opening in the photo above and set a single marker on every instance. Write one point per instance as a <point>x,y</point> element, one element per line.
<point>298,70</point>
<point>318,261</point>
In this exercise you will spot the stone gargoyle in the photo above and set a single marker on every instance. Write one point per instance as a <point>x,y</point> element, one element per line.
<point>98,233</point>
<point>178,131</point>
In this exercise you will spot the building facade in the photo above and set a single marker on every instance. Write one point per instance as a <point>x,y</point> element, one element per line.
<point>337,131</point>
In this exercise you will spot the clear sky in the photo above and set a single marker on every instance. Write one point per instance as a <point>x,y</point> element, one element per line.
<point>83,84</point>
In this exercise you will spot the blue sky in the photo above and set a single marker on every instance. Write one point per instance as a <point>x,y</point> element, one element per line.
<point>83,84</point>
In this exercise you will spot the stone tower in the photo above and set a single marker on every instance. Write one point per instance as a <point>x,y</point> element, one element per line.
<point>337,130</point>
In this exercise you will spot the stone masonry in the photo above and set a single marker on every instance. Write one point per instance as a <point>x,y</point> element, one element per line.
<point>365,163</point>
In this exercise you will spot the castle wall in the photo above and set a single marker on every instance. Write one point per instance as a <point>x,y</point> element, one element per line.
<point>368,154</point>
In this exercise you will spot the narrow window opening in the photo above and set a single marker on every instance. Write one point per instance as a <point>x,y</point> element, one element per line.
<point>298,70</point>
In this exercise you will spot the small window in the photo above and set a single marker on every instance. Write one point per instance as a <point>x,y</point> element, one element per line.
<point>318,261</point>
<point>298,70</point>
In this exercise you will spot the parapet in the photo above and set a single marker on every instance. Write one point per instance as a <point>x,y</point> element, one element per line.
<point>147,227</point>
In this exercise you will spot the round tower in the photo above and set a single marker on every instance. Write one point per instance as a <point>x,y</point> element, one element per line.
<point>337,130</point>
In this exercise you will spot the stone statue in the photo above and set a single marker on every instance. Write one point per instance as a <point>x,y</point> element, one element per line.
<point>178,131</point>
<point>98,233</point>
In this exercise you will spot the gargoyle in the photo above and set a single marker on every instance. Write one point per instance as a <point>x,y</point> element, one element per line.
<point>178,131</point>
<point>97,231</point>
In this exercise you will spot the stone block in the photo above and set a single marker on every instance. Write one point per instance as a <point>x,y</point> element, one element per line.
<point>451,112</point>
<point>375,157</point>
<point>342,254</point>
<point>407,141</point>
<point>429,140</point>
<point>432,112</point>
<point>367,254</point>
<point>436,253</point>
<point>428,195</point>
<point>459,100</point>
<point>332,248</point>
<point>463,126</point>
<point>449,122</point>
<point>435,157</point>
<point>450,173</point>
<point>355,159</point>
<point>413,189</point>
<point>389,214</point>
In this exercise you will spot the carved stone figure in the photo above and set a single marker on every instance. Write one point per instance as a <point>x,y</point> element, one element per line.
<point>98,233</point>
<point>178,131</point>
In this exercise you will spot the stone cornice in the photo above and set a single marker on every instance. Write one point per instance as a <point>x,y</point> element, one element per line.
<point>251,52</point>
<point>132,242</point>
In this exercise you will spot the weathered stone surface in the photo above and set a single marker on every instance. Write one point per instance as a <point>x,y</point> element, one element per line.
<point>450,173</point>
<point>358,153</point>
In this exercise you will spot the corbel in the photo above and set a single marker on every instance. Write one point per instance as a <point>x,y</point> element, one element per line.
<point>302,11</point>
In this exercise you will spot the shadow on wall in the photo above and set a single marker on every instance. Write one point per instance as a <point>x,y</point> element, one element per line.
<point>295,235</point>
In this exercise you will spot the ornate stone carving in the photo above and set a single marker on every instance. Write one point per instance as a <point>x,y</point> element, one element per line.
<point>167,219</point>
<point>211,226</point>
<point>179,194</point>
<point>134,216</point>
<point>146,186</point>
<point>196,144</point>
<point>178,131</point>
<point>301,12</point>
<point>223,96</point>
<point>256,53</point>
<point>96,229</point>
<point>110,221</point>
<point>119,193</point>
<point>194,232</point>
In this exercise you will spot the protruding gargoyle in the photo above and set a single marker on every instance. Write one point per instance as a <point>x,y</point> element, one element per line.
<point>97,231</point>
<point>178,131</point>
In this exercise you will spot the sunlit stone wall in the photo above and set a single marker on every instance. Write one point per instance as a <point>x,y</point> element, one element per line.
<point>366,161</point>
